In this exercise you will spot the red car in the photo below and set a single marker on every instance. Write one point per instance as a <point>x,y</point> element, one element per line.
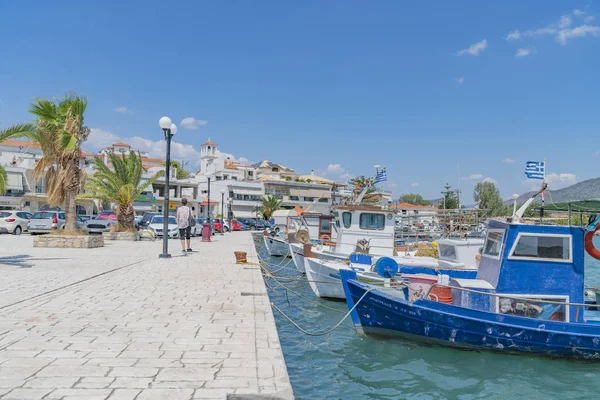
<point>218,224</point>
<point>236,225</point>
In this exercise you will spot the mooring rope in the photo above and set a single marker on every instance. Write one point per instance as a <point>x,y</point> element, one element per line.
<point>328,331</point>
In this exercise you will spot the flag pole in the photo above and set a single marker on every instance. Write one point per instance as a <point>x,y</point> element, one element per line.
<point>543,183</point>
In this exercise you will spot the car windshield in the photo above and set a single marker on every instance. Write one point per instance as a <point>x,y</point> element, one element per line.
<point>43,215</point>
<point>160,220</point>
<point>112,216</point>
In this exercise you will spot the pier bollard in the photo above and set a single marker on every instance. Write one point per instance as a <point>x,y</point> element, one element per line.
<point>240,257</point>
<point>206,232</point>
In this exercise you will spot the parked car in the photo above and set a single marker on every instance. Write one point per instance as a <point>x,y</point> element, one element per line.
<point>157,224</point>
<point>14,221</point>
<point>218,223</point>
<point>236,225</point>
<point>252,224</point>
<point>201,221</point>
<point>102,223</point>
<point>49,221</point>
<point>145,221</point>
<point>86,217</point>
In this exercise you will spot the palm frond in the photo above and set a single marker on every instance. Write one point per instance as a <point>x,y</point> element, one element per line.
<point>3,180</point>
<point>18,130</point>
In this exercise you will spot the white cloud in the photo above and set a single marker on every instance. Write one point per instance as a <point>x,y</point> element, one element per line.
<point>578,13</point>
<point>578,32</point>
<point>392,185</point>
<point>415,184</point>
<point>514,35</point>
<point>508,160</point>
<point>523,52</point>
<point>99,139</point>
<point>474,49</point>
<point>335,169</point>
<point>589,18</point>
<point>561,180</point>
<point>123,110</point>
<point>565,21</point>
<point>472,177</point>
<point>460,80</point>
<point>346,176</point>
<point>243,160</point>
<point>192,123</point>
<point>488,179</point>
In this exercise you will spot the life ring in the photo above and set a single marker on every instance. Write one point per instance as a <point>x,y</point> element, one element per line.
<point>588,243</point>
<point>325,238</point>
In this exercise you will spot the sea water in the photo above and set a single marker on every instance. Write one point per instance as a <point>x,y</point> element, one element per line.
<point>345,365</point>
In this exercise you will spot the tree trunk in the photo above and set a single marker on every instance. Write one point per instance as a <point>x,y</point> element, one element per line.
<point>71,212</point>
<point>125,217</point>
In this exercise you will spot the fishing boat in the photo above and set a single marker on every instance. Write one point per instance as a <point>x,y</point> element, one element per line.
<point>275,238</point>
<point>527,297</point>
<point>311,228</point>
<point>370,230</point>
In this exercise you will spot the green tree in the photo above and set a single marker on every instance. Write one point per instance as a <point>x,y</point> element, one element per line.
<point>450,200</point>
<point>9,133</point>
<point>181,173</point>
<point>121,185</point>
<point>60,132</point>
<point>270,204</point>
<point>488,197</point>
<point>412,198</point>
<point>360,183</point>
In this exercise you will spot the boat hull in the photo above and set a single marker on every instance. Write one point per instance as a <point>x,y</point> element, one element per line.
<point>297,252</point>
<point>276,246</point>
<point>324,280</point>
<point>444,324</point>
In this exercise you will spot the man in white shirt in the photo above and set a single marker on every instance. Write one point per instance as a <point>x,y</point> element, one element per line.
<point>183,223</point>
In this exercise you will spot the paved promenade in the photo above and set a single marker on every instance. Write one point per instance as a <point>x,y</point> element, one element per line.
<point>118,323</point>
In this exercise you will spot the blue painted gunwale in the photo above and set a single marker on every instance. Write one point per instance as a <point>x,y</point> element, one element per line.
<point>449,325</point>
<point>452,273</point>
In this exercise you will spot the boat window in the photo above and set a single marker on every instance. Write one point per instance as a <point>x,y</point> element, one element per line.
<point>551,247</point>
<point>372,221</point>
<point>325,225</point>
<point>493,243</point>
<point>546,308</point>
<point>347,219</point>
<point>447,251</point>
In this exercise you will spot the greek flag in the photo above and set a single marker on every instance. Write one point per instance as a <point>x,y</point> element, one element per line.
<point>381,175</point>
<point>535,169</point>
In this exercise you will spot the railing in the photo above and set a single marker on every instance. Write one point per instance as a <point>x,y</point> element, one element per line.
<point>514,297</point>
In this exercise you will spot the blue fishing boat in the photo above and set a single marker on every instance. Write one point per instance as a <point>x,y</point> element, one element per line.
<point>528,297</point>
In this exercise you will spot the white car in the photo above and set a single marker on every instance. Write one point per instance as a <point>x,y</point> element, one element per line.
<point>13,221</point>
<point>156,225</point>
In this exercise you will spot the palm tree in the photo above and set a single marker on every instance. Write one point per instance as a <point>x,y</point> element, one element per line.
<point>121,185</point>
<point>270,204</point>
<point>60,133</point>
<point>9,133</point>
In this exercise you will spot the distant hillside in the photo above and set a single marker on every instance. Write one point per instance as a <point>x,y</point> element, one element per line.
<point>586,190</point>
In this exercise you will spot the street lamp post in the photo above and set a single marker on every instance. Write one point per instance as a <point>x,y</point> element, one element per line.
<point>169,129</point>
<point>208,202</point>
<point>222,215</point>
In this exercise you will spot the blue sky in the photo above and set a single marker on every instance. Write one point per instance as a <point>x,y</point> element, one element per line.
<point>336,86</point>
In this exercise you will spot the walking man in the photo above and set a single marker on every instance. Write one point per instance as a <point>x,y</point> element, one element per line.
<point>184,214</point>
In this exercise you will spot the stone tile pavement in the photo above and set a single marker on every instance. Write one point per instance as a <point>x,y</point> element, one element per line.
<point>119,323</point>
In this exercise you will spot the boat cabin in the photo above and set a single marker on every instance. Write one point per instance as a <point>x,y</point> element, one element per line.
<point>319,226</point>
<point>530,262</point>
<point>369,224</point>
<point>459,253</point>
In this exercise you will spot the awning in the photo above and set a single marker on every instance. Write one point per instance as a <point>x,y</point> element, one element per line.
<point>244,214</point>
<point>15,181</point>
<point>257,192</point>
<point>10,201</point>
<point>300,192</point>
<point>320,193</point>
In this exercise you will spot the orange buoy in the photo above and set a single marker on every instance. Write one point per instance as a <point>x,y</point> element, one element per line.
<point>588,243</point>
<point>325,238</point>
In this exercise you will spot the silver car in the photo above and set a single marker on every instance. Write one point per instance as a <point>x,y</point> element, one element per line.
<point>14,221</point>
<point>49,221</point>
<point>156,225</point>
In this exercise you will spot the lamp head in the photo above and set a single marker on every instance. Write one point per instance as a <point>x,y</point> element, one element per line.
<point>165,123</point>
<point>173,129</point>
<point>222,191</point>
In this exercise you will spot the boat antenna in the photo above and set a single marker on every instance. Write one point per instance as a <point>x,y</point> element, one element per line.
<point>517,218</point>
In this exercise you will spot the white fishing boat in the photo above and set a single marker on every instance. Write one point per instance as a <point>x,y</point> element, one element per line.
<point>370,230</point>
<point>276,246</point>
<point>311,227</point>
<point>275,238</point>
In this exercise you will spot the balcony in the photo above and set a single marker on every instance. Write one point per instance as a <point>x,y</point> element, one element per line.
<point>248,203</point>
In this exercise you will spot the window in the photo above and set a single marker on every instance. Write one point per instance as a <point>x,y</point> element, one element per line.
<point>548,247</point>
<point>323,200</point>
<point>22,215</point>
<point>493,243</point>
<point>347,219</point>
<point>62,216</point>
<point>309,199</point>
<point>447,251</point>
<point>4,214</point>
<point>548,308</point>
<point>372,221</point>
<point>294,198</point>
<point>325,225</point>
